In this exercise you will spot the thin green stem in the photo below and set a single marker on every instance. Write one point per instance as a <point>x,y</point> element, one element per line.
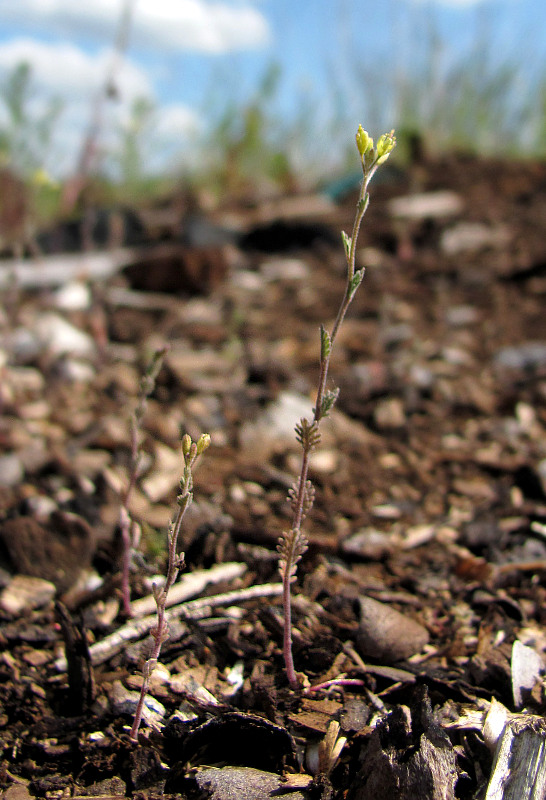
<point>160,633</point>
<point>287,633</point>
<point>299,508</point>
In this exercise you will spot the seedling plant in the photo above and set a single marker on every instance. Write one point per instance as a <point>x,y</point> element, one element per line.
<point>293,543</point>
<point>160,633</point>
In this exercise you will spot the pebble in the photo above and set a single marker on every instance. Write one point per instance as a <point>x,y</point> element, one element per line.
<point>24,593</point>
<point>369,543</point>
<point>369,376</point>
<point>41,506</point>
<point>39,409</point>
<point>12,471</point>
<point>91,462</point>
<point>461,316</point>
<point>396,334</point>
<point>456,356</point>
<point>59,337</point>
<point>165,474</point>
<point>389,413</point>
<point>34,455</point>
<point>528,355</point>
<point>17,791</point>
<point>243,783</point>
<point>26,380</point>
<point>467,237</point>
<point>73,296</point>
<point>124,701</point>
<point>527,667</point>
<point>426,205</point>
<point>421,376</point>
<point>76,371</point>
<point>274,427</point>
<point>325,462</point>
<point>24,345</point>
<point>285,269</point>
<point>386,634</point>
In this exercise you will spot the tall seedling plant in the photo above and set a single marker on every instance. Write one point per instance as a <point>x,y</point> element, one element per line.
<point>293,543</point>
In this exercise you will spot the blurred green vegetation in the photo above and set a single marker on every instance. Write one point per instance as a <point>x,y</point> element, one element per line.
<point>26,129</point>
<point>478,104</point>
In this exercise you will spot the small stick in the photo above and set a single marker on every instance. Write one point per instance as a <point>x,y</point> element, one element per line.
<point>193,610</point>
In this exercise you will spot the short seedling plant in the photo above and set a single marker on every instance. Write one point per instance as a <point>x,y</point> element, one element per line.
<point>293,543</point>
<point>129,529</point>
<point>160,633</point>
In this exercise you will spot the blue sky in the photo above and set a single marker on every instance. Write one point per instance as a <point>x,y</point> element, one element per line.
<point>187,55</point>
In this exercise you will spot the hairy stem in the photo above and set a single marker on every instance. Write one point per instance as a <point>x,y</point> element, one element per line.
<point>160,633</point>
<point>128,528</point>
<point>294,543</point>
<point>191,451</point>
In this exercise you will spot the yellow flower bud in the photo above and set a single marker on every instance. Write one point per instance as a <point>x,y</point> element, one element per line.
<point>186,444</point>
<point>202,443</point>
<point>364,141</point>
<point>385,145</point>
<point>42,178</point>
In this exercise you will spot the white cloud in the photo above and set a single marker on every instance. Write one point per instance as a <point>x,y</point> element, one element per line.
<point>65,70</point>
<point>196,25</point>
<point>177,120</point>
<point>461,4</point>
<point>209,26</point>
<point>74,77</point>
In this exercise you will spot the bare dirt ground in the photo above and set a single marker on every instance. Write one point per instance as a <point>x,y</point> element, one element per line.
<point>430,496</point>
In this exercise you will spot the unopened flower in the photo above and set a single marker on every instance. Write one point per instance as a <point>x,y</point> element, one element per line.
<point>364,141</point>
<point>385,145</point>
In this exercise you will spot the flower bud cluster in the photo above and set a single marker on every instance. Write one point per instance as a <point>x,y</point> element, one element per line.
<point>370,155</point>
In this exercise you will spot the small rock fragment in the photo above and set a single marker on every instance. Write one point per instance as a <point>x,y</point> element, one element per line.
<point>73,296</point>
<point>529,355</point>
<point>17,792</point>
<point>24,593</point>
<point>426,205</point>
<point>60,337</point>
<point>527,667</point>
<point>390,413</point>
<point>243,783</point>
<point>57,550</point>
<point>11,470</point>
<point>285,269</point>
<point>386,634</point>
<point>124,701</point>
<point>369,543</point>
<point>468,237</point>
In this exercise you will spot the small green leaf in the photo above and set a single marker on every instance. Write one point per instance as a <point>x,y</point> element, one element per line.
<point>347,241</point>
<point>328,402</point>
<point>325,344</point>
<point>356,280</point>
<point>362,204</point>
<point>307,434</point>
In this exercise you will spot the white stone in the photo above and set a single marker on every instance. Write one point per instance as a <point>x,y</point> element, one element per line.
<point>73,296</point>
<point>284,269</point>
<point>24,593</point>
<point>60,337</point>
<point>467,237</point>
<point>11,470</point>
<point>425,205</point>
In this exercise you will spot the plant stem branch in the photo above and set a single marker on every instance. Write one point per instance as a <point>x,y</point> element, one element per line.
<point>293,544</point>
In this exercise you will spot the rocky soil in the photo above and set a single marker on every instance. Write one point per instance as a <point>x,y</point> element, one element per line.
<point>421,598</point>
